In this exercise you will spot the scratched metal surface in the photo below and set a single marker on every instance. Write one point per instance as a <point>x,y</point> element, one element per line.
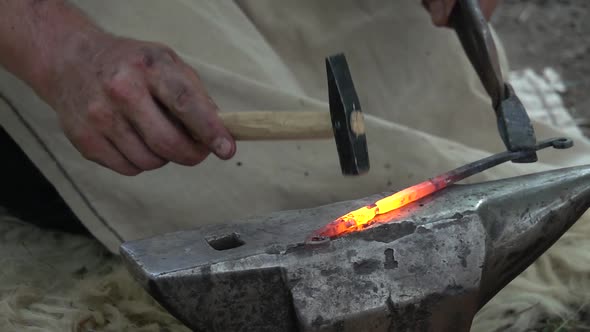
<point>435,265</point>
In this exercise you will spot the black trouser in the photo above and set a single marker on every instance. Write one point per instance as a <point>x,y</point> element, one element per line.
<point>26,194</point>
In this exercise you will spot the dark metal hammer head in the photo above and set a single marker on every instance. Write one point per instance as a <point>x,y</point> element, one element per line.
<point>347,117</point>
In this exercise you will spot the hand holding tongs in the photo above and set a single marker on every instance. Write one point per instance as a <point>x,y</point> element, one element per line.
<point>514,125</point>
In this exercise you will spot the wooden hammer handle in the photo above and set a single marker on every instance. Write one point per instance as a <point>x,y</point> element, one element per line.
<point>263,125</point>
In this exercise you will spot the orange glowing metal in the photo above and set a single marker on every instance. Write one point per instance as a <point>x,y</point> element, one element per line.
<point>378,213</point>
<point>368,215</point>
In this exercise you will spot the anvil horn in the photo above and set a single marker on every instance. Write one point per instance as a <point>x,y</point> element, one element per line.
<point>431,268</point>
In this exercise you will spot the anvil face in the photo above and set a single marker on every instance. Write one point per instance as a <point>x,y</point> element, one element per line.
<point>431,268</point>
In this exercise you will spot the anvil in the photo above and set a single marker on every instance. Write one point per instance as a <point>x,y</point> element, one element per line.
<point>431,268</point>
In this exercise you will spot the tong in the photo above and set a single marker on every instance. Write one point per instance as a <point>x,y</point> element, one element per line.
<point>514,124</point>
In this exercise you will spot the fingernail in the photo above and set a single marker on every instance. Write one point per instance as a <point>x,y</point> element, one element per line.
<point>222,147</point>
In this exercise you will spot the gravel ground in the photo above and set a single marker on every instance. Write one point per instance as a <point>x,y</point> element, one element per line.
<point>551,33</point>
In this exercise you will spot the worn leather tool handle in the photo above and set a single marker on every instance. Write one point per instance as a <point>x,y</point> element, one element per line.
<point>269,125</point>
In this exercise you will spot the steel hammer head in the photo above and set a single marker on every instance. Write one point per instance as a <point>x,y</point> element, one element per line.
<point>347,117</point>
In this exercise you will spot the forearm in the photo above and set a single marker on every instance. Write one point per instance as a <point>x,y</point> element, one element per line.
<point>37,36</point>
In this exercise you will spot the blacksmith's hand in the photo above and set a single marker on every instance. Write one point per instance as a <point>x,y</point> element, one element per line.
<point>126,104</point>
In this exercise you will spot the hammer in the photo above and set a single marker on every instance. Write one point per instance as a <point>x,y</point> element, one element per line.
<point>344,122</point>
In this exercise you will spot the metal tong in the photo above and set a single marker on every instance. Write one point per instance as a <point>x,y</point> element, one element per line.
<point>514,124</point>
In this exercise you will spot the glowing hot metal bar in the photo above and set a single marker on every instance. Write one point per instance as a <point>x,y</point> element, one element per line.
<point>368,215</point>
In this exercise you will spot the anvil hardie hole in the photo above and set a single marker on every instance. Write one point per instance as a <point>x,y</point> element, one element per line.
<point>225,242</point>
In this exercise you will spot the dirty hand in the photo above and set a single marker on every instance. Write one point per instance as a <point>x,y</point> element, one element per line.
<point>440,10</point>
<point>126,104</point>
<point>134,106</point>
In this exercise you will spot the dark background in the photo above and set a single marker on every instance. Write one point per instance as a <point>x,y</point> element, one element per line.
<point>551,33</point>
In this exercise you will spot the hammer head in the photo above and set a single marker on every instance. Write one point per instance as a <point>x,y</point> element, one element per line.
<point>347,117</point>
